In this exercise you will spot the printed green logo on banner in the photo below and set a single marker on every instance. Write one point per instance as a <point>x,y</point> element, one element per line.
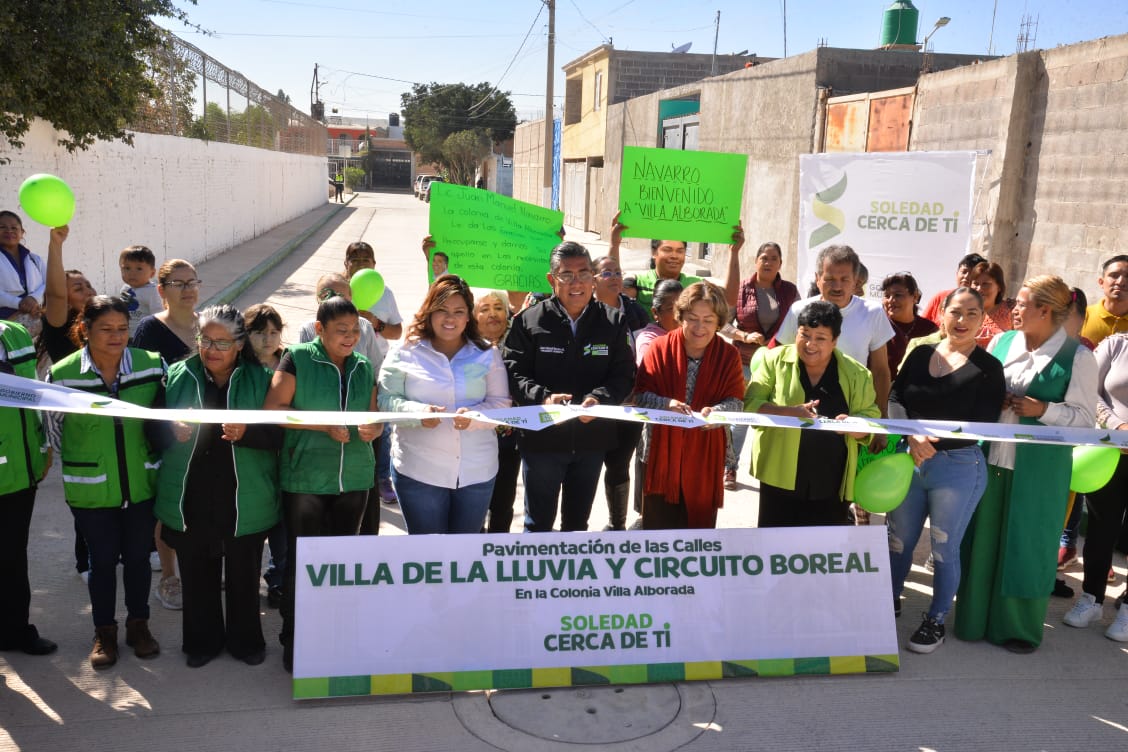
<point>682,195</point>
<point>835,219</point>
<point>492,240</point>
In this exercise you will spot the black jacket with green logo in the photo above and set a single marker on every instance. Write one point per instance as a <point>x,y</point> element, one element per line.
<point>542,357</point>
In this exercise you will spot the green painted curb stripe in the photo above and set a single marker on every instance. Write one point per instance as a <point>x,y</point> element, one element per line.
<point>577,676</point>
<point>255,273</point>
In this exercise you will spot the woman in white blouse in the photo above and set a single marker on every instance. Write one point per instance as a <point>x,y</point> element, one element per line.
<point>444,470</point>
<point>1010,550</point>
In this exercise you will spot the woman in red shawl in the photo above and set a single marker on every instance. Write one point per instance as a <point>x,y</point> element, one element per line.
<point>689,370</point>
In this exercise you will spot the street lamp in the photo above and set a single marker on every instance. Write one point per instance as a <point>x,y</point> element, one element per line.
<point>926,56</point>
<point>940,23</point>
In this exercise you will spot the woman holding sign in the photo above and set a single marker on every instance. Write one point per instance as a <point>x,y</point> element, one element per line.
<point>444,366</point>
<point>953,380</point>
<point>326,470</point>
<point>1009,560</point>
<point>689,370</point>
<point>805,476</point>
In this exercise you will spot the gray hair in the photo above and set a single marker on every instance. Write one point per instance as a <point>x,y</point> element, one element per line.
<point>231,319</point>
<point>837,254</point>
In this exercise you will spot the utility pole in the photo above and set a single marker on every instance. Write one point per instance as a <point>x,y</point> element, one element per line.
<point>548,125</point>
<point>785,28</point>
<point>716,36</point>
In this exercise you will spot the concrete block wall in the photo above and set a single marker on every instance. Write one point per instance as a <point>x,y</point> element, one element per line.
<point>1051,198</point>
<point>636,74</point>
<point>984,108</point>
<point>1075,211</point>
<point>182,197</point>
<point>528,161</point>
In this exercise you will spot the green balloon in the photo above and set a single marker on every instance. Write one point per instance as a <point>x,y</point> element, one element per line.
<point>367,288</point>
<point>882,485</point>
<point>1093,467</point>
<point>47,199</point>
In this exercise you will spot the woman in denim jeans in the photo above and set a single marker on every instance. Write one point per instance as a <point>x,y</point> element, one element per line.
<point>952,380</point>
<point>444,470</point>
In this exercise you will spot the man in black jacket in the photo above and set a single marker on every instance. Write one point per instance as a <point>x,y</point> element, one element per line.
<point>567,349</point>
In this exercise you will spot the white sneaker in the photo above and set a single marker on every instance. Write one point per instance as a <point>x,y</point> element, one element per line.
<point>1084,612</point>
<point>168,593</point>
<point>1118,630</point>
<point>154,561</point>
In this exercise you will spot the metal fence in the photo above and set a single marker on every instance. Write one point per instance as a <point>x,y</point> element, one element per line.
<point>196,96</point>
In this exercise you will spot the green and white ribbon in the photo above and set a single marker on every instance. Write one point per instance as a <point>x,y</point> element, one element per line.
<point>37,395</point>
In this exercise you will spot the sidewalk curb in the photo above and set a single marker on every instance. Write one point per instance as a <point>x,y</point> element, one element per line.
<point>252,275</point>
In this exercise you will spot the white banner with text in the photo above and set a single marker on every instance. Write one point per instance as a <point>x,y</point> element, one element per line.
<point>909,211</point>
<point>408,614</point>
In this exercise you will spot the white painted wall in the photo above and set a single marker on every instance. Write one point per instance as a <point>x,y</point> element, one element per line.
<point>182,197</point>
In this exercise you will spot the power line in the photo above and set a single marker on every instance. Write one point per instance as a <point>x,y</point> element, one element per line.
<point>602,36</point>
<point>511,61</point>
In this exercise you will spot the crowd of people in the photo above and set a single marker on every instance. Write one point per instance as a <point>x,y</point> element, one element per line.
<point>199,502</point>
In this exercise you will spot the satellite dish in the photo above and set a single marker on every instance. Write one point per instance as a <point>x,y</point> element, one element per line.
<point>684,48</point>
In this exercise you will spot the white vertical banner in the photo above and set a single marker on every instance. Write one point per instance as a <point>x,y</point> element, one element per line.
<point>903,211</point>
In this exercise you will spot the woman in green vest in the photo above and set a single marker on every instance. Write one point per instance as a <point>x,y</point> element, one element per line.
<point>326,470</point>
<point>24,459</point>
<point>110,471</point>
<point>217,491</point>
<point>1009,553</point>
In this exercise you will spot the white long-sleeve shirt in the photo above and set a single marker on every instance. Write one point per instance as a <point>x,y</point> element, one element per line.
<point>415,375</point>
<point>1078,410</point>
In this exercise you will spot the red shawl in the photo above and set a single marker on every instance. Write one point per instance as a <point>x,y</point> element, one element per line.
<point>689,462</point>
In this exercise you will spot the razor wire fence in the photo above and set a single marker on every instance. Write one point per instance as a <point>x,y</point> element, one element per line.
<point>196,96</point>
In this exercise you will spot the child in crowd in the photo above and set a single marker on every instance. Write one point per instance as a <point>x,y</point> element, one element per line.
<point>386,321</point>
<point>138,267</point>
<point>440,262</point>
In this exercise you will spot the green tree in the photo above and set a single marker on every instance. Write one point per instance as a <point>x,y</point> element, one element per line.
<point>432,112</point>
<point>79,64</point>
<point>354,177</point>
<point>462,153</point>
<point>168,108</point>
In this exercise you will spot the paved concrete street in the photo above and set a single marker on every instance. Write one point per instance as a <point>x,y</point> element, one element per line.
<point>1069,695</point>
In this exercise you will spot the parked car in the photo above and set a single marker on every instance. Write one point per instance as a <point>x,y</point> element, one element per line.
<point>418,186</point>
<point>425,190</point>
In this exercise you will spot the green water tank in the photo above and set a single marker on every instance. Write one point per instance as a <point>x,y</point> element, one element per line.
<point>900,23</point>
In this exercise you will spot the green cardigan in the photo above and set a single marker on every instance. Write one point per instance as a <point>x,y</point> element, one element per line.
<point>775,379</point>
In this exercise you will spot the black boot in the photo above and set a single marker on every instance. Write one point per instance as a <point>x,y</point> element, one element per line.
<point>618,497</point>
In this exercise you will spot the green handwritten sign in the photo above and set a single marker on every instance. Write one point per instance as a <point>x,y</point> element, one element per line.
<point>491,240</point>
<point>681,195</point>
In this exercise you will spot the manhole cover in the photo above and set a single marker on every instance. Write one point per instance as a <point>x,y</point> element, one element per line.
<point>657,716</point>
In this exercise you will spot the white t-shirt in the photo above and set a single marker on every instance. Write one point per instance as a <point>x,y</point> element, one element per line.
<point>865,327</point>
<point>386,310</point>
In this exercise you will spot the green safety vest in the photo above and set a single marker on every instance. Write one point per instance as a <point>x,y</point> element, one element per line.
<point>312,462</point>
<point>108,462</point>
<point>256,470</point>
<point>23,448</point>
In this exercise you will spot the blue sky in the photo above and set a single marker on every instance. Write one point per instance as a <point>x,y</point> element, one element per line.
<point>275,43</point>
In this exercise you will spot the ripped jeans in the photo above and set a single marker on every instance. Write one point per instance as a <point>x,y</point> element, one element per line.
<point>946,489</point>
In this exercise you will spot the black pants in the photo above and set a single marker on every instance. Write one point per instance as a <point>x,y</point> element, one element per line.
<point>505,486</point>
<point>15,591</point>
<point>618,460</point>
<point>203,562</point>
<point>370,523</point>
<point>314,515</point>
<point>782,508</point>
<point>1106,518</point>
